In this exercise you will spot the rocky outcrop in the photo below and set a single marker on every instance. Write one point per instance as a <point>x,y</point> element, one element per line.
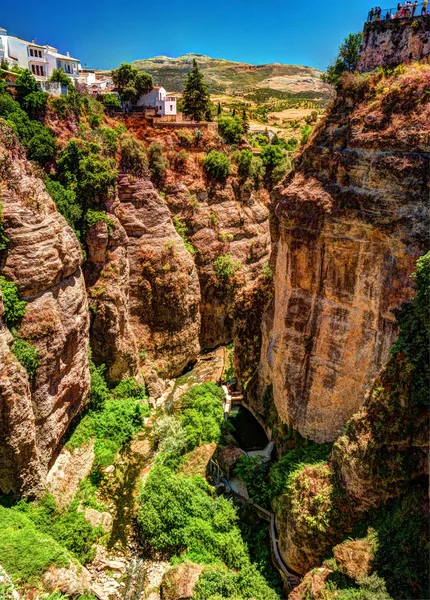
<point>222,220</point>
<point>178,582</point>
<point>43,259</point>
<point>394,42</point>
<point>350,223</point>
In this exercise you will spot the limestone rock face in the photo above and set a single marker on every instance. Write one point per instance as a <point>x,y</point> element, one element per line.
<point>178,582</point>
<point>43,259</point>
<point>394,42</point>
<point>222,220</point>
<point>144,287</point>
<point>349,226</point>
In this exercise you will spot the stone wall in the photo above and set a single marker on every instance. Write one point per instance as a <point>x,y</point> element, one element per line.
<point>393,42</point>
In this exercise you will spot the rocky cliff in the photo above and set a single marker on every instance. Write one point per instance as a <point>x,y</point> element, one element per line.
<point>389,43</point>
<point>43,259</point>
<point>349,224</point>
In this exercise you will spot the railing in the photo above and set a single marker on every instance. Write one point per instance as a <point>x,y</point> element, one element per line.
<point>407,11</point>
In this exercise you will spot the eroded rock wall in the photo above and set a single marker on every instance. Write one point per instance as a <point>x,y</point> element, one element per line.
<point>350,223</point>
<point>43,259</point>
<point>394,42</point>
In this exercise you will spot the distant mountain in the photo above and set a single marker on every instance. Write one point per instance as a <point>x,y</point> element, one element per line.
<point>235,78</point>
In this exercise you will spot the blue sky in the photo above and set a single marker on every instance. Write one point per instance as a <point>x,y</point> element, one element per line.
<point>104,34</point>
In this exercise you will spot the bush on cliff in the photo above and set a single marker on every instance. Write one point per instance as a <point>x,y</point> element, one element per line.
<point>26,552</point>
<point>217,165</point>
<point>231,129</point>
<point>66,203</point>
<point>203,414</point>
<point>133,158</point>
<point>113,417</point>
<point>179,514</point>
<point>414,324</point>
<point>225,267</point>
<point>14,307</point>
<point>158,163</point>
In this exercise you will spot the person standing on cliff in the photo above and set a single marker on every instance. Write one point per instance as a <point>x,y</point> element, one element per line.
<point>414,8</point>
<point>371,13</point>
<point>424,8</point>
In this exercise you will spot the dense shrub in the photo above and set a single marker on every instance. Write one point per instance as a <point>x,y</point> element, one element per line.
<point>25,84</point>
<point>281,170</point>
<point>243,159</point>
<point>217,165</point>
<point>27,355</point>
<point>178,513</point>
<point>14,307</point>
<point>60,76</point>
<point>414,324</point>
<point>92,217</point>
<point>133,157</point>
<point>35,104</point>
<point>272,156</point>
<point>182,229</point>
<point>220,583</point>
<point>345,61</point>
<point>65,201</point>
<point>42,146</point>
<point>203,414</point>
<point>306,134</point>
<point>230,128</point>
<point>225,267</point>
<point>110,101</point>
<point>158,163</point>
<point>25,552</point>
<point>69,527</point>
<point>113,419</point>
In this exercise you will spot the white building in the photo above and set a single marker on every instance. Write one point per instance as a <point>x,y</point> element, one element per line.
<point>40,60</point>
<point>157,98</point>
<point>64,62</point>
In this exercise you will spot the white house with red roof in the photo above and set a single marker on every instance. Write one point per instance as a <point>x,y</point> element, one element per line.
<point>158,99</point>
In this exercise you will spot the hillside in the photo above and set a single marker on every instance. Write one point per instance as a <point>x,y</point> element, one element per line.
<point>236,78</point>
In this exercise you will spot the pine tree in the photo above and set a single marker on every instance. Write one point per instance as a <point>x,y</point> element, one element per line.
<point>245,122</point>
<point>196,95</point>
<point>233,114</point>
<point>219,109</point>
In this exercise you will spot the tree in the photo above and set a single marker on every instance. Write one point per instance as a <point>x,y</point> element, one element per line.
<point>231,129</point>
<point>217,165</point>
<point>60,76</point>
<point>346,59</point>
<point>26,84</point>
<point>131,83</point>
<point>196,99</point>
<point>219,109</point>
<point>245,122</point>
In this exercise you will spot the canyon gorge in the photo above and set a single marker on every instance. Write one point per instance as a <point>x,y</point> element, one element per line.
<point>310,277</point>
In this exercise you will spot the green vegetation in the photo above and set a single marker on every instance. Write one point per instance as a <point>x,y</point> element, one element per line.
<point>182,229</point>
<point>231,129</point>
<point>25,551</point>
<point>219,583</point>
<point>217,165</point>
<point>196,98</point>
<point>65,201</point>
<point>158,163</point>
<point>203,416</point>
<point>401,530</point>
<point>92,217</point>
<point>27,355</point>
<point>249,167</point>
<point>60,76</point>
<point>306,134</point>
<point>414,324</point>
<point>133,158</point>
<point>131,83</point>
<point>110,101</point>
<point>225,267</point>
<point>14,307</point>
<point>113,419</point>
<point>346,59</point>
<point>265,481</point>
<point>37,139</point>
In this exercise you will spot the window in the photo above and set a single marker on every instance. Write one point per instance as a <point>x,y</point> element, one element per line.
<point>33,69</point>
<point>31,52</point>
<point>171,107</point>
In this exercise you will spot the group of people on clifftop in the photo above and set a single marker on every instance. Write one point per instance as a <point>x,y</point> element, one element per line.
<point>404,11</point>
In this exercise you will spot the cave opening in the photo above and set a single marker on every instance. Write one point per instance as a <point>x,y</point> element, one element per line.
<point>248,432</point>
